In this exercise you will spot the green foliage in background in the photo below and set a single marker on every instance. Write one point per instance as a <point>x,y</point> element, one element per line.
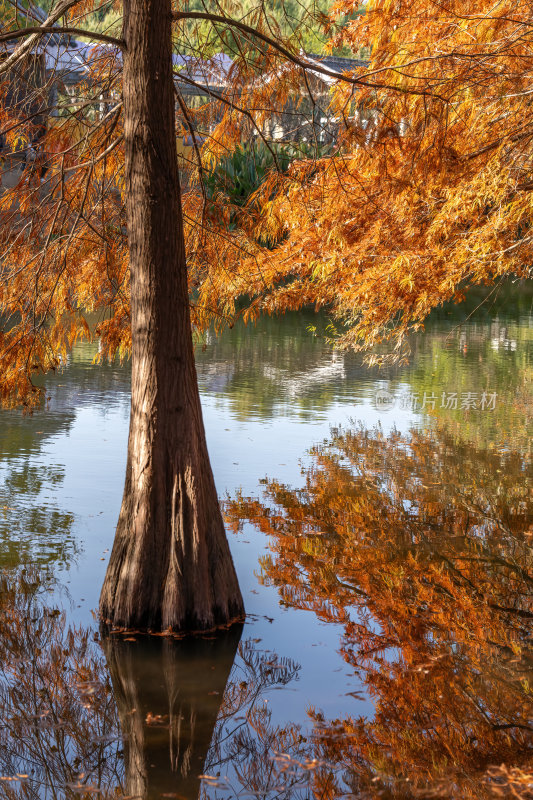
<point>299,20</point>
<point>106,20</point>
<point>240,173</point>
<point>109,22</point>
<point>8,14</point>
<point>303,21</point>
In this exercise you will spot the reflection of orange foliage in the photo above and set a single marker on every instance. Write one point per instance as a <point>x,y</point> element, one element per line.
<point>419,547</point>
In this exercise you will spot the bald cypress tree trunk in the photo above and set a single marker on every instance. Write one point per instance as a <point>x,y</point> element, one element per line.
<point>170,566</point>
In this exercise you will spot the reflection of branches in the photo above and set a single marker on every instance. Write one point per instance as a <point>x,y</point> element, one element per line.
<point>59,733</point>
<point>183,713</point>
<point>245,757</point>
<point>145,729</point>
<point>420,547</point>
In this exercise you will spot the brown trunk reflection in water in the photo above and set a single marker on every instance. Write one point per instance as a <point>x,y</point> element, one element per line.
<point>169,695</point>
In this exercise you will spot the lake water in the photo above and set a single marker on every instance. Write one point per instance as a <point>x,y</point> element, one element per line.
<point>381,524</point>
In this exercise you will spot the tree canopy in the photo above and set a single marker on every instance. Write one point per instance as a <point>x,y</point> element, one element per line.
<point>427,187</point>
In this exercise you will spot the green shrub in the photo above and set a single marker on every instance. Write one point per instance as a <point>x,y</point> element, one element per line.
<point>239,174</point>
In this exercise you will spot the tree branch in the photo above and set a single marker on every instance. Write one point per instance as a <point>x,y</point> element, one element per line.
<point>295,58</point>
<point>42,29</point>
<point>244,111</point>
<point>33,38</point>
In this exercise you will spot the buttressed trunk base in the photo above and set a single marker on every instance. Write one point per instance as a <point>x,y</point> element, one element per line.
<point>170,566</point>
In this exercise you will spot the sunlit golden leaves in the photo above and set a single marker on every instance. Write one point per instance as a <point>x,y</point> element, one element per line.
<point>426,187</point>
<point>64,251</point>
<point>429,188</point>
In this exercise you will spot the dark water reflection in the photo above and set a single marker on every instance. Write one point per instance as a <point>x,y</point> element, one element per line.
<point>169,696</point>
<point>387,573</point>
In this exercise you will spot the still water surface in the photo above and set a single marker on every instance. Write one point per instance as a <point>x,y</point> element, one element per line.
<point>381,525</point>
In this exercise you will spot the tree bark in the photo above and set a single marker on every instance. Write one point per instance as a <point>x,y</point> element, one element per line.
<point>170,566</point>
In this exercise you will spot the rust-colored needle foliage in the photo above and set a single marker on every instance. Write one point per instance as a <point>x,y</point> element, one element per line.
<point>420,547</point>
<point>427,186</point>
<point>62,220</point>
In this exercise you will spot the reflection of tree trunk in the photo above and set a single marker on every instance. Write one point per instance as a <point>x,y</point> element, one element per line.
<point>181,685</point>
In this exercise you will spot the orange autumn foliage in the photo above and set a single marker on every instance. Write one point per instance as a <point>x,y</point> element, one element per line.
<point>427,188</point>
